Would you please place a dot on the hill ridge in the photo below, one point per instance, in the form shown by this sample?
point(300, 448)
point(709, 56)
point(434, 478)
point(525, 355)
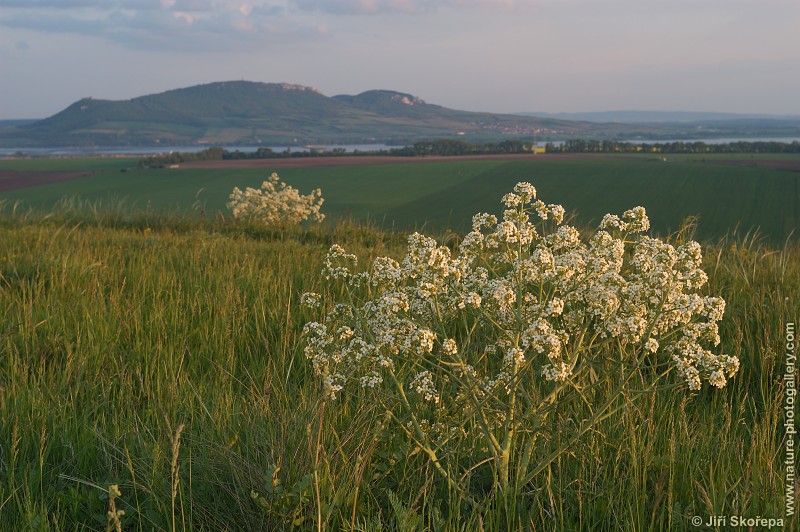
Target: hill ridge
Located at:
point(249, 112)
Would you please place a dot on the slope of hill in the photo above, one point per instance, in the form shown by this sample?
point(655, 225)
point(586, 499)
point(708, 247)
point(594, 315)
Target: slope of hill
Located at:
point(691, 125)
point(661, 117)
point(242, 112)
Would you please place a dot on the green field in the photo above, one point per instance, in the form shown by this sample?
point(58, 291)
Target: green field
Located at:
point(446, 194)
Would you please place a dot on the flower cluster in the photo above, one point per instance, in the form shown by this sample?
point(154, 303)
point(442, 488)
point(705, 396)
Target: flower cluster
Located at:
point(525, 297)
point(276, 203)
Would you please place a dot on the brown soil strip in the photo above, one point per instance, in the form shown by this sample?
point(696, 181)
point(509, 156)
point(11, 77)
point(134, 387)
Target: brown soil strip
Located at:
point(14, 179)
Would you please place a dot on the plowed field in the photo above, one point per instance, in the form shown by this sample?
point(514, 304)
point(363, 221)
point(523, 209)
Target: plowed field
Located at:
point(15, 179)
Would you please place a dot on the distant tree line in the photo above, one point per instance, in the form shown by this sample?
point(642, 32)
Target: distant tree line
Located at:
point(450, 147)
point(461, 147)
point(219, 154)
point(418, 149)
point(613, 146)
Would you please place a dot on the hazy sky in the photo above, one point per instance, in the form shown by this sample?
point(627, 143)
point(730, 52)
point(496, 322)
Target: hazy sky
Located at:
point(477, 55)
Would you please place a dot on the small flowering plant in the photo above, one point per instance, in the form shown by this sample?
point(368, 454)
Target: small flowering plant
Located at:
point(276, 204)
point(468, 351)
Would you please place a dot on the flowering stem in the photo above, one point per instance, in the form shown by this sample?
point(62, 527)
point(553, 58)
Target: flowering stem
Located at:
point(421, 441)
point(599, 415)
point(316, 464)
point(480, 411)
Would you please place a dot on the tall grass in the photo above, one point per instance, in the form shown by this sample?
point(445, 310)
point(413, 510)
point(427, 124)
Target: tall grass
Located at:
point(161, 354)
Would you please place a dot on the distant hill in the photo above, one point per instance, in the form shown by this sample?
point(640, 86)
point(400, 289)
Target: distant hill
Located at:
point(683, 125)
point(661, 117)
point(242, 112)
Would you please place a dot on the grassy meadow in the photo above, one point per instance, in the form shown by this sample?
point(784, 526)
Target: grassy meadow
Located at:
point(149, 346)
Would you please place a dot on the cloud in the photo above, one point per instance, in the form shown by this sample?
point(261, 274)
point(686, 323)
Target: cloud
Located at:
point(184, 25)
point(372, 7)
point(78, 4)
point(188, 25)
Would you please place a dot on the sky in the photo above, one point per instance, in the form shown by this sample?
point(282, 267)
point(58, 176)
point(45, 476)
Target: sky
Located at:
point(740, 56)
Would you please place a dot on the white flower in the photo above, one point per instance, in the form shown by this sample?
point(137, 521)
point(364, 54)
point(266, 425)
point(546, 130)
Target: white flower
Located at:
point(554, 307)
point(423, 385)
point(637, 220)
point(504, 295)
point(344, 332)
point(557, 213)
point(276, 203)
point(541, 209)
point(338, 263)
point(424, 339)
point(511, 200)
point(717, 378)
point(371, 380)
point(515, 356)
point(449, 347)
point(471, 300)
point(526, 191)
point(528, 305)
point(556, 372)
point(310, 299)
point(612, 221)
point(483, 220)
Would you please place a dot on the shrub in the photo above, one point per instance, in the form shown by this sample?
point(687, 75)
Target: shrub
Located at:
point(469, 354)
point(276, 204)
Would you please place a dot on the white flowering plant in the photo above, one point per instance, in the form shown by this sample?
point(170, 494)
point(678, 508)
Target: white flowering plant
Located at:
point(469, 351)
point(276, 204)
